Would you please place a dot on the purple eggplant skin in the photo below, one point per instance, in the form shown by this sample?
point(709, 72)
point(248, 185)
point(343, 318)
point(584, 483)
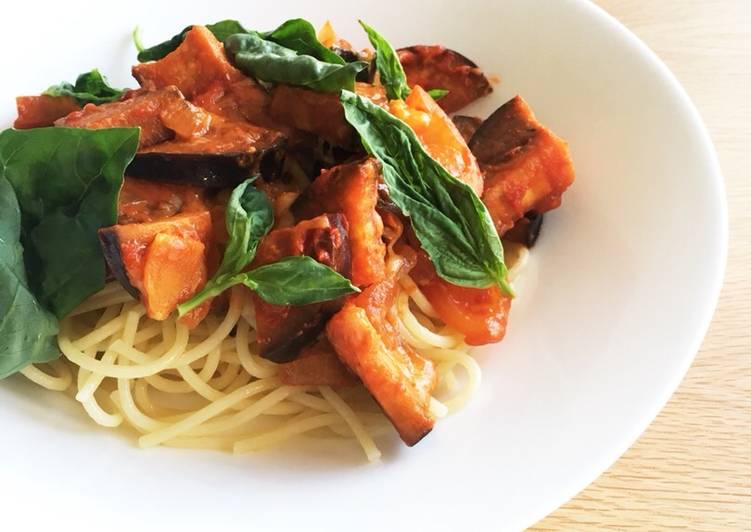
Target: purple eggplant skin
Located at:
point(467, 125)
point(111, 251)
point(209, 170)
point(533, 228)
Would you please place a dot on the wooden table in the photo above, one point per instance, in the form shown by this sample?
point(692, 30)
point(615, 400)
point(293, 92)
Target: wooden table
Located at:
point(691, 469)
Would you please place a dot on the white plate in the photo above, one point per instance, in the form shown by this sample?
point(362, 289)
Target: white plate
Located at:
point(616, 302)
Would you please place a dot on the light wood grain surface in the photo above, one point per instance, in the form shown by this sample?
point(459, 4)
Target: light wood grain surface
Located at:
point(691, 469)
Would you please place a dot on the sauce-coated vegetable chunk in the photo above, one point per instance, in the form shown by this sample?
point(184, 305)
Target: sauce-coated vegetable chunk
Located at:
point(154, 112)
point(320, 113)
point(163, 262)
point(436, 67)
point(352, 189)
point(440, 137)
point(480, 314)
point(366, 338)
point(193, 67)
point(317, 365)
point(42, 110)
point(526, 166)
point(283, 330)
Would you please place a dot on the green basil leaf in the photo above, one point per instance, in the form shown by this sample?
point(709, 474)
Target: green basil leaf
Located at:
point(437, 94)
point(389, 68)
point(451, 222)
point(299, 35)
point(67, 181)
point(248, 218)
point(91, 87)
point(272, 62)
point(221, 30)
point(137, 42)
point(27, 331)
point(158, 51)
point(297, 281)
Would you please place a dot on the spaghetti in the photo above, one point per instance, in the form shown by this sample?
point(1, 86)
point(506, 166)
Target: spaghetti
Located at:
point(208, 388)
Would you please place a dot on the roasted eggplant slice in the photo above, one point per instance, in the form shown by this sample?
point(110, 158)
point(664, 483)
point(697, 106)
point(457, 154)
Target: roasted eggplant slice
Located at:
point(467, 125)
point(162, 262)
point(366, 338)
point(317, 365)
point(197, 64)
point(229, 153)
point(436, 67)
point(144, 110)
point(526, 230)
point(439, 136)
point(143, 201)
point(351, 189)
point(43, 110)
point(284, 330)
point(243, 100)
point(319, 112)
point(526, 166)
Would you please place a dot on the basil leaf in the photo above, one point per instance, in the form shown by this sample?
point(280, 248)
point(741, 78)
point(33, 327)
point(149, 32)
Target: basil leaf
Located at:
point(221, 30)
point(437, 94)
point(451, 222)
point(272, 62)
point(136, 36)
point(67, 181)
point(158, 51)
point(27, 331)
point(389, 68)
point(91, 87)
point(248, 218)
point(297, 280)
point(290, 281)
point(299, 35)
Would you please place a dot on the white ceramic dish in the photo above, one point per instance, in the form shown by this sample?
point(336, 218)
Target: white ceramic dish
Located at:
point(619, 295)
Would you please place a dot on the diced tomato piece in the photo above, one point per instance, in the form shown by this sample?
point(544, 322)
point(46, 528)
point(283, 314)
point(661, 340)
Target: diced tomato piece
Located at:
point(352, 189)
point(480, 314)
point(439, 136)
point(43, 110)
point(193, 67)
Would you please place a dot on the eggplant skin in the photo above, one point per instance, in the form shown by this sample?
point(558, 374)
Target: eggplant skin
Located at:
point(211, 170)
point(203, 170)
point(111, 251)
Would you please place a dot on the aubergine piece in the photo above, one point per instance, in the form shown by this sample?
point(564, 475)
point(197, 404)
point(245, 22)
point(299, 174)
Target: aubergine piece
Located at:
point(436, 67)
point(526, 230)
point(467, 125)
point(365, 336)
point(125, 246)
point(284, 330)
point(320, 113)
point(225, 156)
point(525, 165)
point(145, 110)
